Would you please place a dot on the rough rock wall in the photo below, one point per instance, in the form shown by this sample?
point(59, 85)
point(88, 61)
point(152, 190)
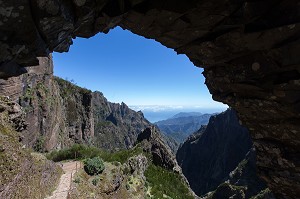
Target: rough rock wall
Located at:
point(76, 105)
point(116, 125)
point(37, 92)
point(152, 142)
point(59, 113)
point(23, 174)
point(249, 50)
point(207, 157)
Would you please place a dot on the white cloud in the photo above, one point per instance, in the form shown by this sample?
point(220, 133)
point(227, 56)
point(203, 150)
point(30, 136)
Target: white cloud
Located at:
point(156, 108)
point(160, 108)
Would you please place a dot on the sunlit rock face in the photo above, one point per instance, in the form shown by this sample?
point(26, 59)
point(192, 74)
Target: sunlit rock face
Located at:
point(249, 50)
point(57, 113)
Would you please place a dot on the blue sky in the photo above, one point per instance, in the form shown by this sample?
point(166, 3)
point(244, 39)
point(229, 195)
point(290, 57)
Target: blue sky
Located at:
point(129, 68)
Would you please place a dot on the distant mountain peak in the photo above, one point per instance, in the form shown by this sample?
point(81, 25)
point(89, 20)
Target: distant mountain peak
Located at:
point(186, 114)
point(181, 125)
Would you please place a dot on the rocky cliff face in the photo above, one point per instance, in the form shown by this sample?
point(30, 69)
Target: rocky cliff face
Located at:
point(152, 142)
point(208, 156)
point(243, 182)
point(116, 125)
point(38, 94)
point(23, 174)
point(59, 113)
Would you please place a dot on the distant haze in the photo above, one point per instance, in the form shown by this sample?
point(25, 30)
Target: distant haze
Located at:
point(155, 113)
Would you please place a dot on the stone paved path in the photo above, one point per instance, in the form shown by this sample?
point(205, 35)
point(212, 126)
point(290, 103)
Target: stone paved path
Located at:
point(63, 187)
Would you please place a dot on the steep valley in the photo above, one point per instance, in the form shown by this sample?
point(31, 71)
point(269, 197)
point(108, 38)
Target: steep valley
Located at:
point(219, 159)
point(249, 52)
point(54, 115)
point(67, 121)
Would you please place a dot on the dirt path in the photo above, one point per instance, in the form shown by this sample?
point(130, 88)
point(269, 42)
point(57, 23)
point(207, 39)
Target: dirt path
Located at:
point(63, 187)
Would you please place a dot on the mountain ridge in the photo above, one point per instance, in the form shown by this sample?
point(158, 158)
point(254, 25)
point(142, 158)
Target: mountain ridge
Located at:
point(180, 128)
point(185, 114)
point(60, 113)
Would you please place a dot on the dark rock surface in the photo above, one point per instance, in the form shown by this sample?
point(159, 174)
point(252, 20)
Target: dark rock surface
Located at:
point(116, 125)
point(152, 142)
point(243, 182)
point(208, 156)
point(245, 175)
point(249, 49)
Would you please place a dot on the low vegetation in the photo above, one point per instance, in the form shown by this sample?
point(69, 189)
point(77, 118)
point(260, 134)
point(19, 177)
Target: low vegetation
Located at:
point(77, 151)
point(266, 193)
point(80, 152)
point(93, 166)
point(166, 183)
point(24, 174)
point(160, 183)
point(70, 87)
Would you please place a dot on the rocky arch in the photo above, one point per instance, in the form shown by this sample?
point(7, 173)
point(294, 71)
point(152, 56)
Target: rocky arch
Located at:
point(249, 51)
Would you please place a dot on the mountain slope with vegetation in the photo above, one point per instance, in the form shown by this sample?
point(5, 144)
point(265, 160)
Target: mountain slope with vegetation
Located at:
point(181, 125)
point(148, 170)
point(24, 174)
point(59, 113)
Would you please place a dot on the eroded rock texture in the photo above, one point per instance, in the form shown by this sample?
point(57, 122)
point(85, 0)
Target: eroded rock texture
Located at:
point(57, 113)
point(152, 142)
point(249, 49)
point(208, 156)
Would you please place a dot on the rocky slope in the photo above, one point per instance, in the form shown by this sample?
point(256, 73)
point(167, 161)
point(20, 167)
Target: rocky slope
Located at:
point(148, 170)
point(91, 119)
point(59, 113)
point(24, 174)
point(116, 125)
point(208, 156)
point(182, 125)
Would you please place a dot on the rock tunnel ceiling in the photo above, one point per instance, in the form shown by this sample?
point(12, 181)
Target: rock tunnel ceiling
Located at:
point(249, 51)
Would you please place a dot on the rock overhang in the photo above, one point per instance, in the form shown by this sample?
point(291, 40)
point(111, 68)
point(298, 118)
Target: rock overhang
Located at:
point(249, 51)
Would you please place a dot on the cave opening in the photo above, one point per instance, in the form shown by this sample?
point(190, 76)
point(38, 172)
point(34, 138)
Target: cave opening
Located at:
point(249, 51)
point(140, 72)
point(150, 77)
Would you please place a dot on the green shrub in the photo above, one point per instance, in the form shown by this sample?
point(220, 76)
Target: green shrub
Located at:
point(38, 146)
point(95, 181)
point(93, 166)
point(84, 152)
point(77, 180)
point(77, 151)
point(127, 186)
